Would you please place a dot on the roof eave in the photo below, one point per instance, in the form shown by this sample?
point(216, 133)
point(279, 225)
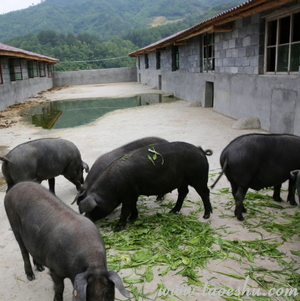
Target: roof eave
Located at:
point(243, 10)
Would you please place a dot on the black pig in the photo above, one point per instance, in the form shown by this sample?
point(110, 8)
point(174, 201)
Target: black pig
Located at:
point(44, 159)
point(154, 170)
point(103, 161)
point(258, 161)
point(66, 242)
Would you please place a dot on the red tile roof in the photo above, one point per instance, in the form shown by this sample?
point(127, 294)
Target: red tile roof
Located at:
point(17, 52)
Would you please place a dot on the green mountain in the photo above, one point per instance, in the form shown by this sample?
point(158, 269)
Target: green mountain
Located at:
point(102, 18)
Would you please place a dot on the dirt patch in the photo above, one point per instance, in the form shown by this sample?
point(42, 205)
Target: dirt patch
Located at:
point(161, 20)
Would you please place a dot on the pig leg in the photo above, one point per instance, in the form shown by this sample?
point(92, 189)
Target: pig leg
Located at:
point(51, 183)
point(182, 192)
point(58, 286)
point(292, 190)
point(204, 194)
point(27, 265)
point(239, 197)
point(276, 194)
point(127, 208)
point(134, 213)
point(234, 188)
point(38, 266)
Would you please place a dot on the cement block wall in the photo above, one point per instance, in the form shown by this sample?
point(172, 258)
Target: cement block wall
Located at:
point(97, 76)
point(241, 50)
point(12, 92)
point(240, 89)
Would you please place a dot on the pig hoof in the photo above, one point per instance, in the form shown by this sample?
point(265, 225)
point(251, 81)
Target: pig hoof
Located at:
point(30, 276)
point(240, 218)
point(206, 216)
point(173, 211)
point(244, 210)
point(118, 228)
point(292, 202)
point(279, 200)
point(40, 268)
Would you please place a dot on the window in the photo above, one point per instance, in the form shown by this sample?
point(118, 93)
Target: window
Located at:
point(208, 52)
point(175, 58)
point(32, 69)
point(146, 61)
point(139, 62)
point(42, 69)
point(283, 44)
point(1, 77)
point(158, 60)
point(50, 70)
point(15, 69)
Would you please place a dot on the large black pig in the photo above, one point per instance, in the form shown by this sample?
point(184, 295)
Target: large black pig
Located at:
point(154, 170)
point(66, 242)
point(258, 161)
point(103, 161)
point(44, 159)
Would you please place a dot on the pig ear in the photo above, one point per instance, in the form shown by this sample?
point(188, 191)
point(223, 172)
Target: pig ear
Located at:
point(80, 285)
point(87, 205)
point(114, 277)
point(85, 167)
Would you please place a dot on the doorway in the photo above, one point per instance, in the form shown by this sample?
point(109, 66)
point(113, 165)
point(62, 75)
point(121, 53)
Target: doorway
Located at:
point(209, 95)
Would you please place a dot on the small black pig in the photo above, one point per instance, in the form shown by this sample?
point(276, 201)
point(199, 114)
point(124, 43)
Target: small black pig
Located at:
point(66, 242)
point(44, 159)
point(149, 170)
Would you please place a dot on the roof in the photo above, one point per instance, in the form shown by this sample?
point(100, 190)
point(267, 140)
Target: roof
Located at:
point(6, 50)
point(221, 22)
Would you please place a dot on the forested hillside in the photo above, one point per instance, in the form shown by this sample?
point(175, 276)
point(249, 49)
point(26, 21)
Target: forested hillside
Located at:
point(83, 47)
point(102, 18)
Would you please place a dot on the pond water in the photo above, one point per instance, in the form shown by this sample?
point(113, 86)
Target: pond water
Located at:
point(75, 112)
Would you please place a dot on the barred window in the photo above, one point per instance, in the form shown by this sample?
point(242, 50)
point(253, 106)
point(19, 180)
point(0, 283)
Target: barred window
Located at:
point(1, 76)
point(146, 61)
point(158, 60)
point(15, 69)
point(42, 69)
point(175, 58)
point(50, 70)
point(283, 44)
point(208, 52)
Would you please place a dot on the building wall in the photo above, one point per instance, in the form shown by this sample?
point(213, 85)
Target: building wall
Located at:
point(239, 87)
point(12, 92)
point(97, 76)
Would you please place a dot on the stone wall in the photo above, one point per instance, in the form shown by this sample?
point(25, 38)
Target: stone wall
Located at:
point(96, 76)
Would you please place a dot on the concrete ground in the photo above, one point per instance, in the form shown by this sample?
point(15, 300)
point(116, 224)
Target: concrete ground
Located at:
point(177, 121)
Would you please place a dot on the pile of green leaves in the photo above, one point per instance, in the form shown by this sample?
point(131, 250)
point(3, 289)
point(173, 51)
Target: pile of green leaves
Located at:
point(175, 242)
point(183, 245)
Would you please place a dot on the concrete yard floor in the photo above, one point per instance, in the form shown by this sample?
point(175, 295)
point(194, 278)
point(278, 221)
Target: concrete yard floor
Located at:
point(176, 121)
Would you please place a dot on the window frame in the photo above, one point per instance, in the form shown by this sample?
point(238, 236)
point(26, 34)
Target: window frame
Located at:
point(146, 61)
point(50, 70)
point(158, 60)
point(42, 71)
point(1, 75)
point(278, 17)
point(33, 68)
point(175, 58)
point(205, 52)
point(12, 69)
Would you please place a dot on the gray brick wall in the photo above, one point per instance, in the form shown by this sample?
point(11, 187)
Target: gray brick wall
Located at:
point(240, 51)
